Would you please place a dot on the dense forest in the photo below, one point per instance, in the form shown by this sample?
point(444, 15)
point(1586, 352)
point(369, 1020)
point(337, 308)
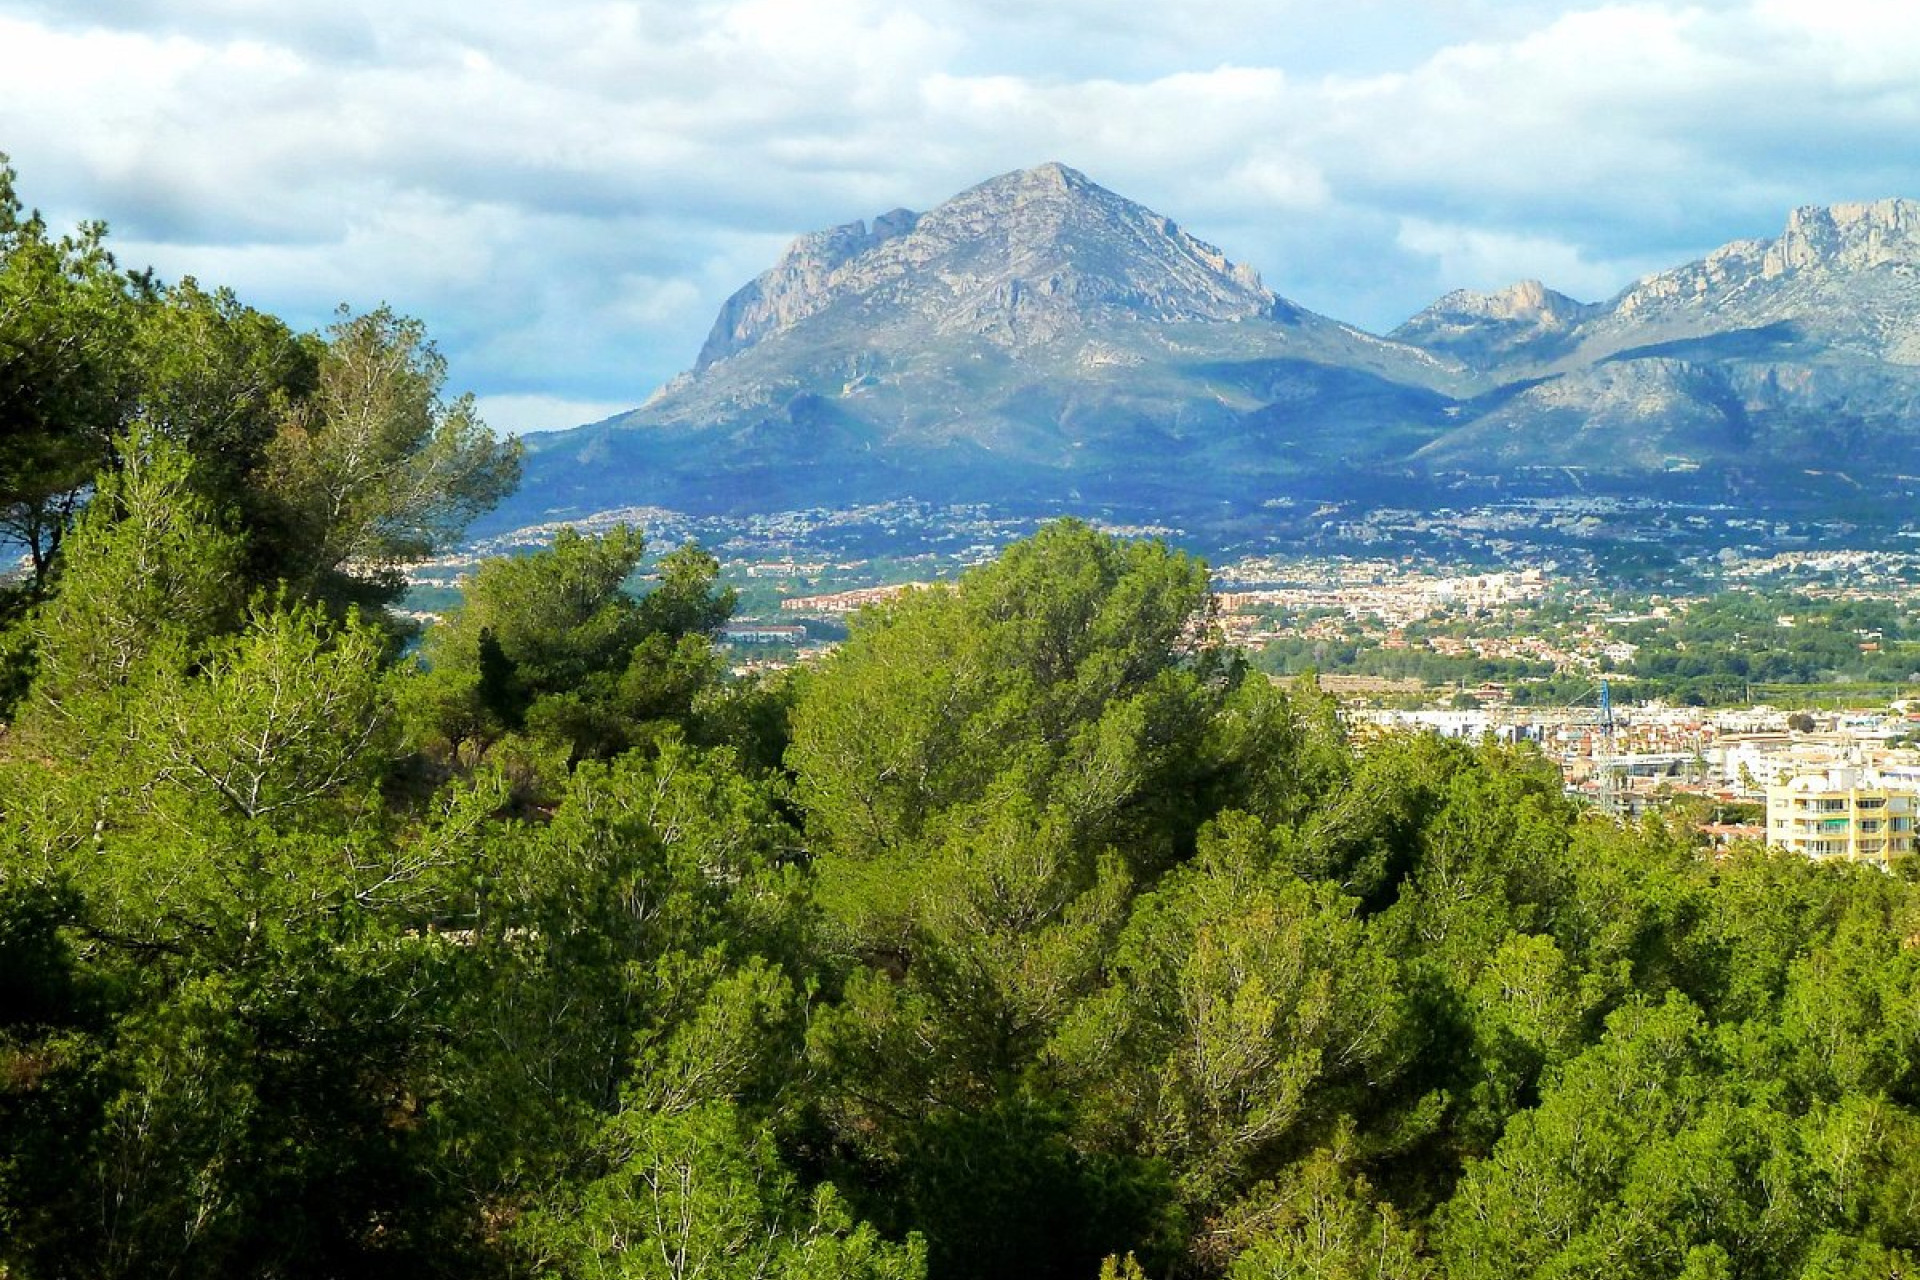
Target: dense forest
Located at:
point(1028, 935)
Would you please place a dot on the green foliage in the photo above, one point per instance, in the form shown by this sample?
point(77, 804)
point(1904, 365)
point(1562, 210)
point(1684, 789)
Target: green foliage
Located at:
point(218, 379)
point(1056, 672)
point(697, 1193)
point(987, 775)
point(233, 799)
point(530, 627)
point(239, 890)
point(374, 468)
point(1321, 1221)
point(550, 645)
point(1298, 655)
point(1282, 750)
point(633, 945)
point(1740, 636)
point(49, 1014)
point(150, 578)
point(68, 315)
point(1247, 1012)
point(332, 461)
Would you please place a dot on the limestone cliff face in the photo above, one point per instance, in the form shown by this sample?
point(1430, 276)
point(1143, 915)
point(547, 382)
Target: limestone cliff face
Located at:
point(798, 285)
point(1850, 237)
point(1021, 260)
point(1847, 276)
point(1487, 329)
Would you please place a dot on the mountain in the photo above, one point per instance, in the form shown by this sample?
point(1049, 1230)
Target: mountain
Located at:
point(1039, 339)
point(1846, 277)
point(1021, 262)
point(1487, 331)
point(1036, 335)
point(1765, 354)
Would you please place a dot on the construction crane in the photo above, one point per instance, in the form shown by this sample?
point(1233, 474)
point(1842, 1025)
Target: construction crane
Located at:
point(1600, 718)
point(1603, 758)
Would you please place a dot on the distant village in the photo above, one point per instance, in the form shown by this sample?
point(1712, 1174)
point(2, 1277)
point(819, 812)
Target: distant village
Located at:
point(1830, 781)
point(1833, 782)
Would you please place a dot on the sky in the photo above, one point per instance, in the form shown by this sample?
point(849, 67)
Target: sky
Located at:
point(565, 191)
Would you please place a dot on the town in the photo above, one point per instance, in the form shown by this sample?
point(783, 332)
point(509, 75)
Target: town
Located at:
point(1832, 780)
point(1751, 686)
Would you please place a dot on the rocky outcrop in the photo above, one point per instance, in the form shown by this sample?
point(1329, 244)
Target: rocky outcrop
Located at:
point(1847, 277)
point(1847, 237)
point(798, 285)
point(1022, 260)
point(1527, 303)
point(1485, 329)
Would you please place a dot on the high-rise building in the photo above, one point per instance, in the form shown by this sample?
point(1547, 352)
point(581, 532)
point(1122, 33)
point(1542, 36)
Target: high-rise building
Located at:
point(1843, 811)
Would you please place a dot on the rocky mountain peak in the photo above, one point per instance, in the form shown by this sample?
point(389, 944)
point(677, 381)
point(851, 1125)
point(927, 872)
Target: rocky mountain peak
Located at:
point(1527, 302)
point(1049, 176)
point(1021, 259)
point(1532, 301)
point(1481, 328)
point(796, 285)
point(1821, 249)
point(1847, 236)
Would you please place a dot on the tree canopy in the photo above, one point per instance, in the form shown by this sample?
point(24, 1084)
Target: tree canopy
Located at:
point(318, 464)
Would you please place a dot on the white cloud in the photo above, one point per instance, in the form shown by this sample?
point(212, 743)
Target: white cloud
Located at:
point(1490, 260)
point(1275, 180)
point(566, 190)
point(531, 414)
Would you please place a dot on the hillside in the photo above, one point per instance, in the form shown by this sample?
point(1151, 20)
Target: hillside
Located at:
point(1764, 353)
point(1039, 339)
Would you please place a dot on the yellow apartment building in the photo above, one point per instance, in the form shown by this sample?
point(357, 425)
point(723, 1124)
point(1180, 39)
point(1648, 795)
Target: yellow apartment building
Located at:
point(1842, 811)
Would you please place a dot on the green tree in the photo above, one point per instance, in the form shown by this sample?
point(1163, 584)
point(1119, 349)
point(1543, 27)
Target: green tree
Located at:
point(1247, 1013)
point(699, 1192)
point(218, 378)
point(151, 578)
point(989, 775)
point(375, 469)
point(246, 898)
point(932, 1061)
point(1321, 1221)
point(1063, 675)
point(68, 315)
point(1850, 1010)
point(637, 947)
point(551, 644)
point(51, 1015)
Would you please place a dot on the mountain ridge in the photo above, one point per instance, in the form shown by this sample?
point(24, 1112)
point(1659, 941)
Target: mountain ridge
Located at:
point(1038, 336)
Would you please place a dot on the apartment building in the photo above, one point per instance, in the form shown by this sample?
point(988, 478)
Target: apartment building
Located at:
point(1843, 811)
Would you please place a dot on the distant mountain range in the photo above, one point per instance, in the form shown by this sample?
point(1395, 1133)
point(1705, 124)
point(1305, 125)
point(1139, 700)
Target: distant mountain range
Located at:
point(1039, 339)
